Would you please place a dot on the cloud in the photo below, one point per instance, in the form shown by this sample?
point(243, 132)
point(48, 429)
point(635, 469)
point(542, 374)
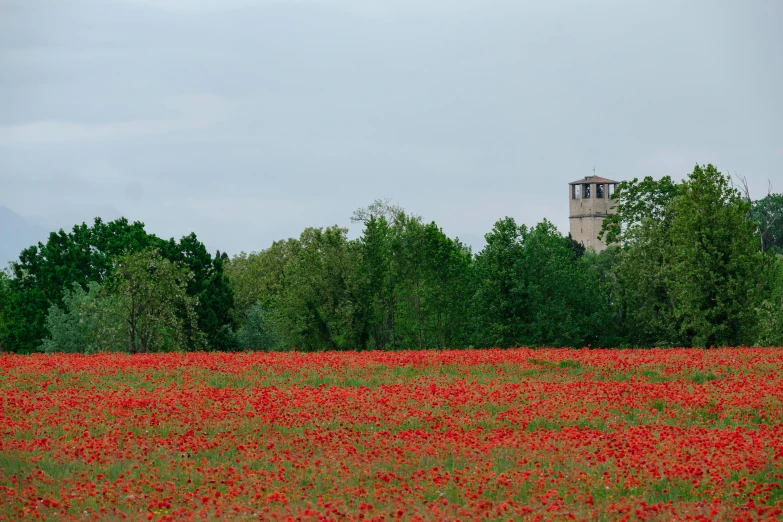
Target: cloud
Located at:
point(201, 6)
point(366, 7)
point(195, 112)
point(134, 191)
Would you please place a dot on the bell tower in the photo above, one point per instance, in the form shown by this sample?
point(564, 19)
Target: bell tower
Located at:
point(589, 204)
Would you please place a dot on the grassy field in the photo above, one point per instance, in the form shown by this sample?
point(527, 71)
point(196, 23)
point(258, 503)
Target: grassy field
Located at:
point(479, 434)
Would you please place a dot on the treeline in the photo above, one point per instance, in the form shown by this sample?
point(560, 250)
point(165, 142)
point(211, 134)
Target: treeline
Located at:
point(691, 263)
point(113, 286)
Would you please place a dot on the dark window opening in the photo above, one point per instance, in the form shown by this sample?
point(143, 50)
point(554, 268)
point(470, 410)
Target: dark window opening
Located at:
point(599, 191)
point(586, 190)
point(574, 191)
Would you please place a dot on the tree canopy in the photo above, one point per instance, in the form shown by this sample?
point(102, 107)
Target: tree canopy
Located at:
point(46, 271)
point(690, 263)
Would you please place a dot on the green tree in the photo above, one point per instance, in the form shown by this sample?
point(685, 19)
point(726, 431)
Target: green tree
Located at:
point(499, 308)
point(87, 322)
point(257, 333)
point(447, 290)
point(211, 289)
point(430, 271)
point(318, 308)
point(690, 268)
point(378, 278)
point(151, 293)
point(637, 203)
point(714, 261)
point(643, 272)
point(603, 267)
point(641, 223)
point(259, 276)
point(45, 271)
point(86, 254)
point(576, 247)
point(564, 301)
point(415, 281)
point(5, 302)
point(533, 290)
point(770, 328)
point(768, 213)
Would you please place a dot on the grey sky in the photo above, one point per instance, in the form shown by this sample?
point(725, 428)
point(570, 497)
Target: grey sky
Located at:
point(246, 121)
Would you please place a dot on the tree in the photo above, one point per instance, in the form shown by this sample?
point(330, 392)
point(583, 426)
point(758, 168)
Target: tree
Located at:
point(447, 289)
point(643, 273)
point(430, 273)
point(88, 322)
point(257, 333)
point(211, 289)
point(499, 308)
point(152, 292)
point(714, 261)
point(576, 247)
point(5, 302)
point(603, 268)
point(378, 276)
point(380, 208)
point(44, 272)
point(414, 282)
point(565, 305)
point(319, 307)
point(87, 254)
point(637, 203)
point(770, 328)
point(768, 213)
point(259, 276)
point(533, 290)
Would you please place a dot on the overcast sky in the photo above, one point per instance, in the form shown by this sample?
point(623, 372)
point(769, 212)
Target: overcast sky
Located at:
point(247, 121)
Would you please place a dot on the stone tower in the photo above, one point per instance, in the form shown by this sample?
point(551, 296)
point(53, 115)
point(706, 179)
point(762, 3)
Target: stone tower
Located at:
point(589, 204)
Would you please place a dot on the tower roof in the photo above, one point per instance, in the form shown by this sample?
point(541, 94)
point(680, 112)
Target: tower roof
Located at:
point(593, 179)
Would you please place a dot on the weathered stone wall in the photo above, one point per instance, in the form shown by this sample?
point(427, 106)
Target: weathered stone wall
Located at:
point(587, 216)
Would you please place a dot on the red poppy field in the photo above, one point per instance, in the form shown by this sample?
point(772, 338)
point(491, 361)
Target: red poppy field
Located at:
point(455, 435)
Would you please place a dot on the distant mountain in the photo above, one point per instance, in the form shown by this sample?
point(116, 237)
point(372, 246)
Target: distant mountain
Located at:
point(16, 234)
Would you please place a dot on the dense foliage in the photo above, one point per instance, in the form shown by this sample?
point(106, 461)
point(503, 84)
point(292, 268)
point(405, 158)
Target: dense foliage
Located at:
point(89, 256)
point(690, 263)
point(768, 213)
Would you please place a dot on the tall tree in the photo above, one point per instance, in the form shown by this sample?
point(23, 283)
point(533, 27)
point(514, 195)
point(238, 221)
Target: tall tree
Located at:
point(448, 288)
point(499, 306)
point(151, 294)
point(641, 223)
point(319, 307)
point(565, 302)
point(689, 266)
point(715, 261)
point(5, 303)
point(86, 254)
point(378, 277)
point(44, 272)
point(770, 328)
point(643, 272)
point(636, 204)
point(415, 281)
point(612, 328)
point(259, 277)
point(768, 213)
point(86, 322)
point(211, 288)
point(533, 290)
